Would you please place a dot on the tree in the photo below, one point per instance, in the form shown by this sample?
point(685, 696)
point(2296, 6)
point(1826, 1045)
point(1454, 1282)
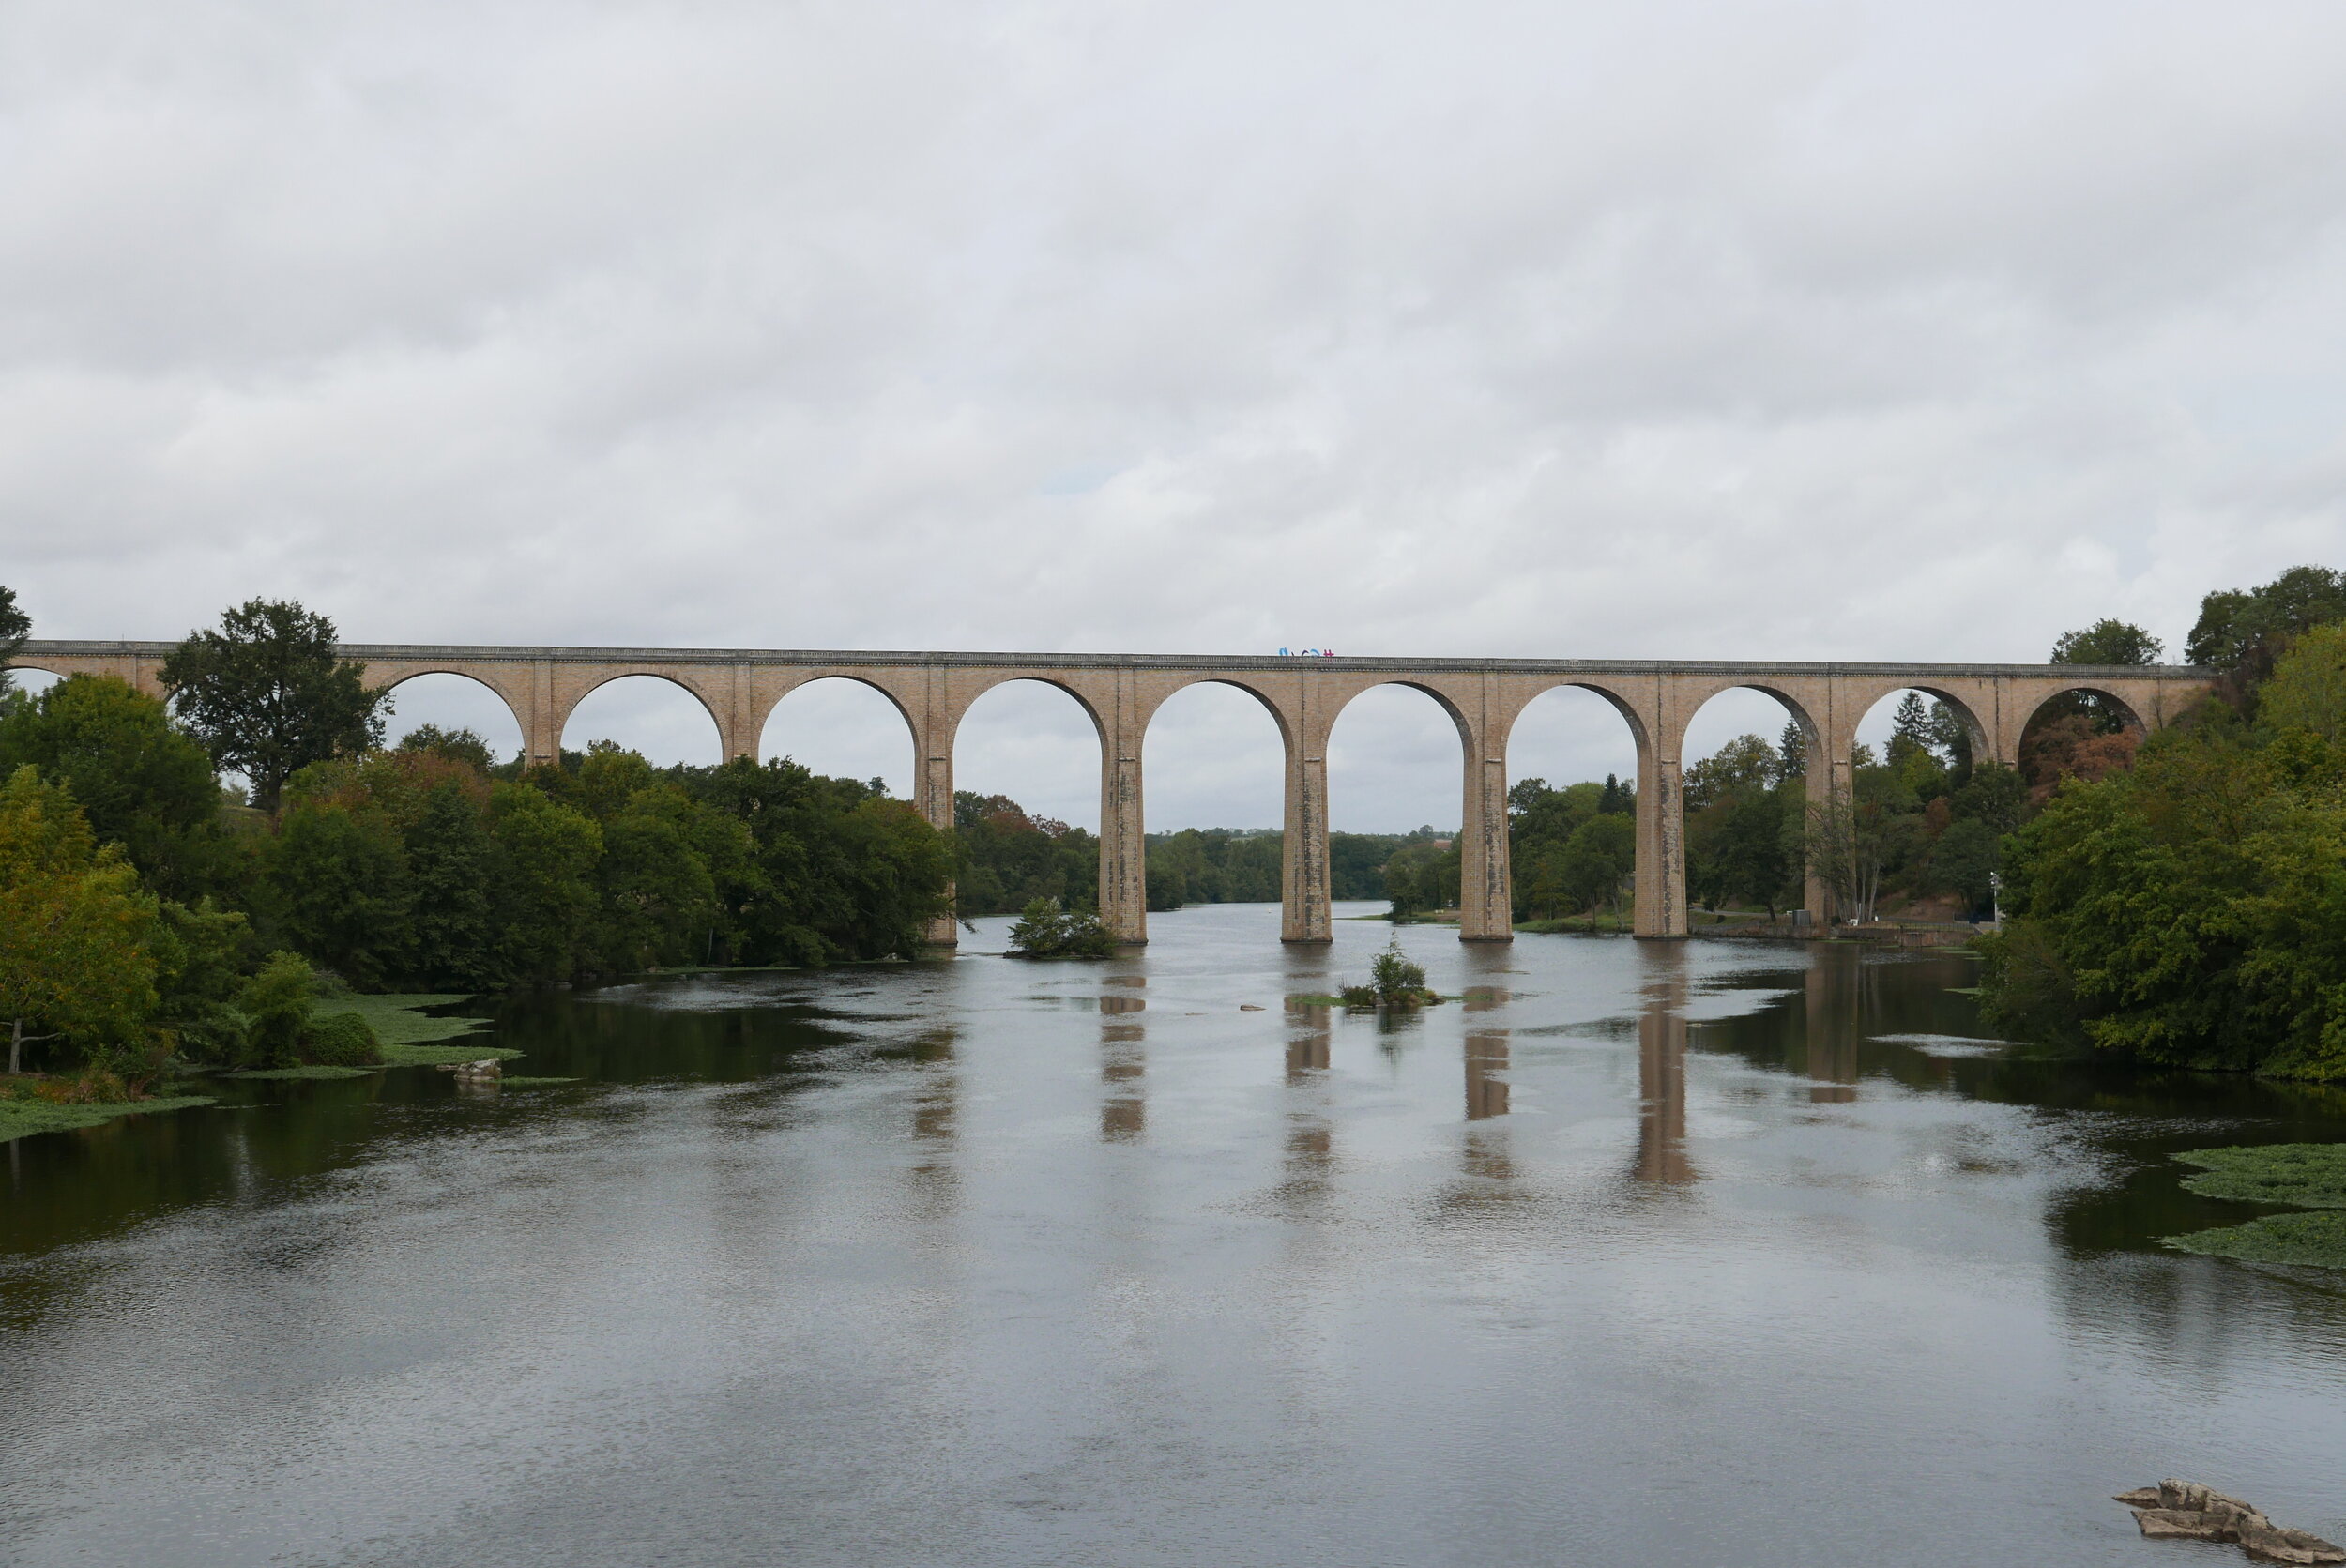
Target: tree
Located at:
point(450, 870)
point(15, 626)
point(1910, 727)
point(342, 894)
point(2308, 686)
point(142, 784)
point(1791, 752)
point(74, 927)
point(2108, 641)
point(1045, 929)
point(543, 892)
point(457, 745)
point(2245, 631)
point(1951, 738)
point(268, 693)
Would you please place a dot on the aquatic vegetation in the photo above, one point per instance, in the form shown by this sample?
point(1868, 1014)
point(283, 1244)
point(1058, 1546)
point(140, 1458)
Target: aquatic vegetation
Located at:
point(2317, 1239)
point(2309, 1174)
point(21, 1119)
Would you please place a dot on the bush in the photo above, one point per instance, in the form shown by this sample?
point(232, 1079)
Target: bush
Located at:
point(341, 1040)
point(276, 1006)
point(1395, 984)
point(1046, 930)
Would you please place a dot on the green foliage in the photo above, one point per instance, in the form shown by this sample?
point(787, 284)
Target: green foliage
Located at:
point(544, 898)
point(75, 928)
point(2307, 691)
point(1395, 984)
point(2107, 642)
point(1214, 866)
point(2191, 912)
point(1424, 875)
point(142, 784)
point(201, 955)
point(1006, 859)
point(452, 870)
point(2317, 1240)
point(1048, 929)
point(2245, 631)
point(22, 1118)
point(2309, 1174)
point(276, 1003)
point(15, 626)
point(342, 892)
point(340, 1040)
point(266, 694)
point(458, 745)
point(1571, 850)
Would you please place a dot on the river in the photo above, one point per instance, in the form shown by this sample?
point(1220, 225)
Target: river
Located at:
point(1705, 1252)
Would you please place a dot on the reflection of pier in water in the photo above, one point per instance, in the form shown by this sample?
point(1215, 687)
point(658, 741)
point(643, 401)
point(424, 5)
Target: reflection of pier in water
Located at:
point(1834, 998)
point(1662, 1073)
point(935, 1120)
point(1123, 1058)
point(1309, 1156)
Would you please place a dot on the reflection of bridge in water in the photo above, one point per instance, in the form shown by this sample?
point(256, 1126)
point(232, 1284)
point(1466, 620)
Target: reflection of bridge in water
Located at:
point(1484, 697)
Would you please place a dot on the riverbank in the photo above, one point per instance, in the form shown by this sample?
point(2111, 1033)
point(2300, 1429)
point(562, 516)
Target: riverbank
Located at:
point(410, 1037)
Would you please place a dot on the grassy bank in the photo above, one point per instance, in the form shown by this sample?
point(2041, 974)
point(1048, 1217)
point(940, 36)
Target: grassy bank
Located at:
point(21, 1119)
point(409, 1038)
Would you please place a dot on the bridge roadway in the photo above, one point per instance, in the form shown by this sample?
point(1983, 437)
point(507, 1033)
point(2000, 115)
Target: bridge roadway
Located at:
point(740, 687)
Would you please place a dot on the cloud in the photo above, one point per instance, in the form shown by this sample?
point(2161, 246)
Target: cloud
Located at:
point(1783, 330)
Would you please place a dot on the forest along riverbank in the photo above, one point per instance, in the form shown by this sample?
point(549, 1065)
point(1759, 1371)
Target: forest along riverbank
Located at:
point(408, 1030)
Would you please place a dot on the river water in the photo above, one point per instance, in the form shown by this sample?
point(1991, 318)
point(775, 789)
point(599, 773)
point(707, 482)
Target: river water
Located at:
point(1709, 1253)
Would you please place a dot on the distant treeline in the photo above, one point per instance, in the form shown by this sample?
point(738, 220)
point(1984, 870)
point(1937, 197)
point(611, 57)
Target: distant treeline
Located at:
point(1008, 856)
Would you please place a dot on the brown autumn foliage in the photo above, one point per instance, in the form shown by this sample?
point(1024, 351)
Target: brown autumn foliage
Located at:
point(2070, 746)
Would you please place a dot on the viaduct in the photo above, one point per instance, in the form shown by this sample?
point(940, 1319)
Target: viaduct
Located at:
point(1484, 697)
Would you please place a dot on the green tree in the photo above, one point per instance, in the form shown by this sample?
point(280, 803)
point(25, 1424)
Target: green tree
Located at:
point(2307, 691)
point(2107, 642)
point(1046, 929)
point(276, 1004)
point(2245, 632)
point(74, 927)
point(343, 894)
point(15, 626)
point(142, 784)
point(452, 869)
point(201, 955)
point(544, 895)
point(457, 745)
point(268, 693)
point(1910, 727)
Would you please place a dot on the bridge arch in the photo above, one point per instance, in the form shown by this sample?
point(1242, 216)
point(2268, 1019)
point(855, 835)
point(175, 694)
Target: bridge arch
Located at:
point(571, 699)
point(830, 699)
point(447, 706)
point(1046, 730)
point(1214, 754)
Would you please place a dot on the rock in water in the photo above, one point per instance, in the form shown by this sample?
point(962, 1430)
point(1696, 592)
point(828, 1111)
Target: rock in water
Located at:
point(2187, 1511)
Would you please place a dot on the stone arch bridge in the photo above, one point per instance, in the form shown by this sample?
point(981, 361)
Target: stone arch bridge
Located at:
point(1484, 697)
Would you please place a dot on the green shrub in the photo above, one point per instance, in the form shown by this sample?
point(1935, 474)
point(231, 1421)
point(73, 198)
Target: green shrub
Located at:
point(276, 1006)
point(1047, 930)
point(341, 1040)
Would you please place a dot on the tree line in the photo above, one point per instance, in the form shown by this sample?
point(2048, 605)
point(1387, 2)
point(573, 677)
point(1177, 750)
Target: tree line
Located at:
point(146, 913)
point(1008, 856)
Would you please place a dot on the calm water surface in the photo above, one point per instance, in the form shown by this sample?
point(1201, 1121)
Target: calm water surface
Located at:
point(1692, 1254)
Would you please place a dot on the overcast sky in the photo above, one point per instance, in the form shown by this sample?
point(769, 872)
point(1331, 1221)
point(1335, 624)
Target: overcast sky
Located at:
point(1805, 330)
